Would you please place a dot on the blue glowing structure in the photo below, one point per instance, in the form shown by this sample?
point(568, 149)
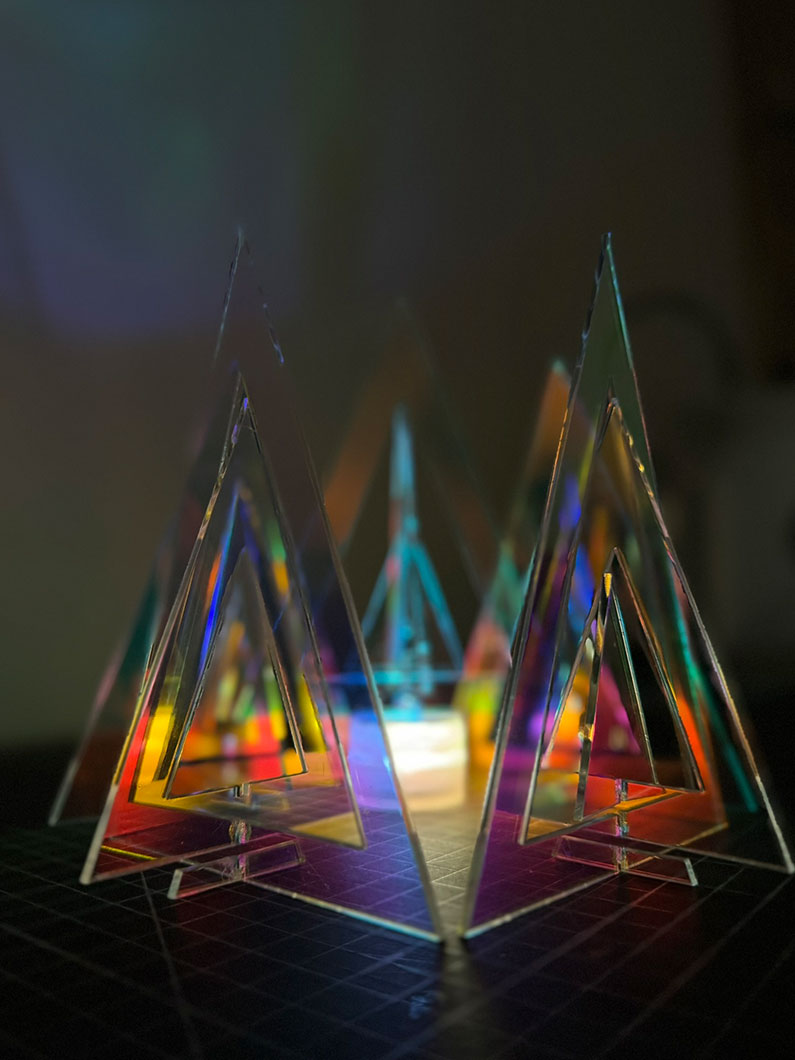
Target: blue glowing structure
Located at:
point(406, 585)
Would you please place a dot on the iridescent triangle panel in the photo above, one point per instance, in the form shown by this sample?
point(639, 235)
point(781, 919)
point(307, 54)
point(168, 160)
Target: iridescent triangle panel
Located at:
point(601, 504)
point(316, 796)
point(357, 850)
point(330, 874)
point(242, 726)
point(415, 529)
point(85, 785)
point(419, 543)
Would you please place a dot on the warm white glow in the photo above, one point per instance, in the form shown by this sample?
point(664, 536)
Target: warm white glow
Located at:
point(430, 755)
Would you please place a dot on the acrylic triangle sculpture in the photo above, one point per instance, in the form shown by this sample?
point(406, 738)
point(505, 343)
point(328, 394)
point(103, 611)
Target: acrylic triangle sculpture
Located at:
point(238, 738)
point(249, 736)
point(617, 723)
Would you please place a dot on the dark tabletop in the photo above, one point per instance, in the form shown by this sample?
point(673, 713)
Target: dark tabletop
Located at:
point(119, 970)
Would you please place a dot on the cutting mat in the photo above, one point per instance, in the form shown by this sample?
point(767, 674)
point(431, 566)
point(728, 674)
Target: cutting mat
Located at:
point(118, 970)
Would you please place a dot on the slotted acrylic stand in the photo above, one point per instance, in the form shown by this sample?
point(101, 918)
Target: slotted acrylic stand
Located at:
point(244, 714)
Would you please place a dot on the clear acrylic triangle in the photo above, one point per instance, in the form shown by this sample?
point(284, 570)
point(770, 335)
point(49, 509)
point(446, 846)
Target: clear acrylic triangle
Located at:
point(241, 726)
point(603, 730)
point(419, 544)
point(409, 630)
point(602, 498)
point(403, 375)
point(416, 531)
point(353, 847)
point(487, 656)
point(84, 786)
point(504, 598)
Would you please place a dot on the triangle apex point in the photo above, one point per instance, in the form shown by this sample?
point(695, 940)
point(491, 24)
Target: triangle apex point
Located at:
point(606, 253)
point(614, 557)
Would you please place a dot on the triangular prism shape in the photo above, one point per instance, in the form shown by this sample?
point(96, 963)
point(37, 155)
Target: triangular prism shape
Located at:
point(263, 558)
point(601, 502)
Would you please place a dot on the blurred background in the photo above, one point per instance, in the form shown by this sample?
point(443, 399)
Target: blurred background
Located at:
point(467, 156)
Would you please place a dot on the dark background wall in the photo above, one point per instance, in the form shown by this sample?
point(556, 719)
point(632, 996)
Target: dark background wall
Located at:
point(467, 156)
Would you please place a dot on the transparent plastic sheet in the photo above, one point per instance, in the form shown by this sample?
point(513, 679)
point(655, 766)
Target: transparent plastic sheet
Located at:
point(84, 787)
point(248, 864)
point(487, 657)
point(517, 544)
point(368, 489)
point(419, 544)
point(604, 565)
point(243, 729)
point(405, 375)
